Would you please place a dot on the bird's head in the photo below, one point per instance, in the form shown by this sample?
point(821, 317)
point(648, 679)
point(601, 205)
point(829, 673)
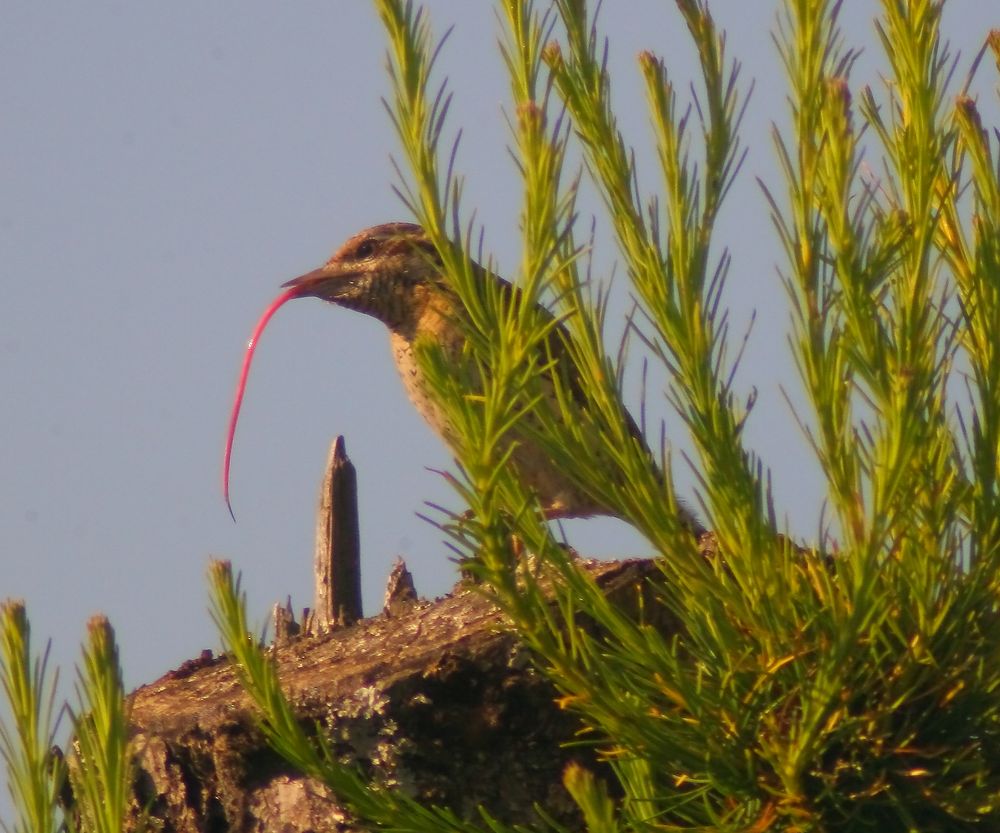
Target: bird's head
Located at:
point(377, 272)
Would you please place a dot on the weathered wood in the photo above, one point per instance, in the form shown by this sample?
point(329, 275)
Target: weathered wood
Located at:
point(285, 626)
point(400, 592)
point(337, 559)
point(438, 699)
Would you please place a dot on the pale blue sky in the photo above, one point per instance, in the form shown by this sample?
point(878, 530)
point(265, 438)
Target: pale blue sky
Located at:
point(164, 168)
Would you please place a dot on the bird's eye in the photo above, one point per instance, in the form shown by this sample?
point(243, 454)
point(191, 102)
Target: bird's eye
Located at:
point(365, 249)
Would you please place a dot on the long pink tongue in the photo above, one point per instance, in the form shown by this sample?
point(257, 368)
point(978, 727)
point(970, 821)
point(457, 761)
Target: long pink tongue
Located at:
point(241, 387)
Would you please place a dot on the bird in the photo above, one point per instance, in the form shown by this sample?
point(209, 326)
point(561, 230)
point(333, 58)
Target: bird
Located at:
point(393, 273)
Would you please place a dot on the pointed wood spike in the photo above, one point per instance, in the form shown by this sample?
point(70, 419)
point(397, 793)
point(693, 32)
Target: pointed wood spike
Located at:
point(337, 560)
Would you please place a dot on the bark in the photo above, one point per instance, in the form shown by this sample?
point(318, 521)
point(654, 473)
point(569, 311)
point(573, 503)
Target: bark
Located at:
point(436, 698)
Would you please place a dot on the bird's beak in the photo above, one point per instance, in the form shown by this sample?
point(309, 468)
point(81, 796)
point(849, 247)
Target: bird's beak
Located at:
point(306, 284)
point(328, 283)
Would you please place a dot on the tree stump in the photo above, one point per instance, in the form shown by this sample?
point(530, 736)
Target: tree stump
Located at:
point(438, 700)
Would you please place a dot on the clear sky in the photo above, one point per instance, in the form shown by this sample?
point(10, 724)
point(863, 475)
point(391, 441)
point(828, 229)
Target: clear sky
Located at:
point(163, 169)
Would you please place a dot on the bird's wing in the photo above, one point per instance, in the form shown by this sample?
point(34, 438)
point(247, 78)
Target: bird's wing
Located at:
point(560, 357)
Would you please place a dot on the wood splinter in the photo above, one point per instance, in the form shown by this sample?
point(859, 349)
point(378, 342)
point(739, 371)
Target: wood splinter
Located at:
point(337, 560)
point(285, 626)
point(400, 592)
